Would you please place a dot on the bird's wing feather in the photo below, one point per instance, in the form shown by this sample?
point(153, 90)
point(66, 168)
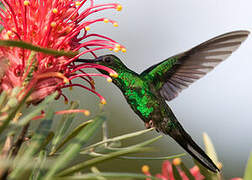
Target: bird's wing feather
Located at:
point(176, 73)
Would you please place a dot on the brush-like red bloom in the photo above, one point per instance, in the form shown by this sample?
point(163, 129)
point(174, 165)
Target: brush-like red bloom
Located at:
point(167, 172)
point(55, 24)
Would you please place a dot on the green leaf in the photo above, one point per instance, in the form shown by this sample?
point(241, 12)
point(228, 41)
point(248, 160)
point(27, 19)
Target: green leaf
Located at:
point(37, 143)
point(48, 139)
point(38, 109)
point(95, 170)
point(120, 152)
point(106, 149)
point(37, 171)
point(176, 173)
point(248, 171)
point(186, 171)
point(91, 162)
point(13, 113)
point(153, 158)
point(94, 154)
point(10, 163)
point(72, 150)
point(142, 144)
point(74, 133)
point(64, 125)
point(107, 175)
point(25, 45)
point(3, 97)
point(118, 138)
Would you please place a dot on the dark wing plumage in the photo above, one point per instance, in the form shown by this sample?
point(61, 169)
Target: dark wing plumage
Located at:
point(174, 74)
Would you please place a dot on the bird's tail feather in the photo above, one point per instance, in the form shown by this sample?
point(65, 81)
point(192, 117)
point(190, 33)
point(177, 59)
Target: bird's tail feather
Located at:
point(185, 140)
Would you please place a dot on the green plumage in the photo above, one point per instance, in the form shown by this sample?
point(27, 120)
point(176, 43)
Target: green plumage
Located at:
point(136, 91)
point(147, 93)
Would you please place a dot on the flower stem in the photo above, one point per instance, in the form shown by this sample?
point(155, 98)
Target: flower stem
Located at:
point(20, 140)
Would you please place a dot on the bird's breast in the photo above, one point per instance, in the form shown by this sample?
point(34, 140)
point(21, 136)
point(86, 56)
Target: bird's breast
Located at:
point(142, 101)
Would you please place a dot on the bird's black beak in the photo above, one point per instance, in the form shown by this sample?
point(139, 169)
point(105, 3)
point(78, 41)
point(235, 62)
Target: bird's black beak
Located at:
point(99, 59)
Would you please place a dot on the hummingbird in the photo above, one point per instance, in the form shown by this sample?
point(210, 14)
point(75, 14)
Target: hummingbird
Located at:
point(147, 93)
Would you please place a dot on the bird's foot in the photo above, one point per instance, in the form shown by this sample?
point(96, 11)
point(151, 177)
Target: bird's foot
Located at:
point(149, 124)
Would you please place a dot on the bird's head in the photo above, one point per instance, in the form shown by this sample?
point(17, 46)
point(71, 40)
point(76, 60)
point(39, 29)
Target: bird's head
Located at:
point(110, 61)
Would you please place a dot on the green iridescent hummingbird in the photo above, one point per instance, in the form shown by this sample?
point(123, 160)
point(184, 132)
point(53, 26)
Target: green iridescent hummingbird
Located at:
point(147, 93)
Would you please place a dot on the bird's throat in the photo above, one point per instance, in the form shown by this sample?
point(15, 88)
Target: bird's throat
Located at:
point(127, 79)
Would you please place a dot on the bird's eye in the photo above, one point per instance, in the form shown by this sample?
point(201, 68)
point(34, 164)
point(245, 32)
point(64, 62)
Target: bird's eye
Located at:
point(107, 60)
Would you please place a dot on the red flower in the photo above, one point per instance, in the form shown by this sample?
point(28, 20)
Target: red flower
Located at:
point(58, 25)
point(167, 172)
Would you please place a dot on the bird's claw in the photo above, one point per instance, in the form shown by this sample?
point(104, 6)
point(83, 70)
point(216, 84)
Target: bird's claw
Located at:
point(149, 124)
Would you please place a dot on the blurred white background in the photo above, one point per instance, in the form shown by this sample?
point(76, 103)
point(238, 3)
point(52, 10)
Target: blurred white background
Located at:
point(219, 104)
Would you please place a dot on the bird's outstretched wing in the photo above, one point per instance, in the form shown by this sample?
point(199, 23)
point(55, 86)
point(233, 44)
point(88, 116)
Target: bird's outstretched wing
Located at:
point(176, 73)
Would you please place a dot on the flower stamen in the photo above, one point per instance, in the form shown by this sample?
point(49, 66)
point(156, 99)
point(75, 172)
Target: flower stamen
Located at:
point(106, 20)
point(77, 3)
point(124, 50)
point(87, 28)
point(115, 24)
point(119, 7)
point(113, 74)
point(176, 161)
point(26, 3)
point(53, 24)
point(55, 10)
point(103, 101)
point(145, 169)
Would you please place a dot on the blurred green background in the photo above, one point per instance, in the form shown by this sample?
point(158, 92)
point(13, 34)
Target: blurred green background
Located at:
point(219, 104)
